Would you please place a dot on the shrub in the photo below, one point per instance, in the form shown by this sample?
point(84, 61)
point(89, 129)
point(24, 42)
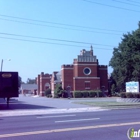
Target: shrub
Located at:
point(136, 95)
point(77, 94)
point(129, 95)
point(116, 94)
point(56, 96)
point(85, 94)
point(100, 94)
point(48, 92)
point(58, 91)
point(49, 96)
point(123, 95)
point(64, 94)
point(92, 94)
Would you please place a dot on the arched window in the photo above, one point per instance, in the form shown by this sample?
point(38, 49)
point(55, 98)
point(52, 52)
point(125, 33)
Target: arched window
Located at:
point(47, 85)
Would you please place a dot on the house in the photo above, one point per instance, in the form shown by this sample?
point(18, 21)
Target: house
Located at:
point(28, 88)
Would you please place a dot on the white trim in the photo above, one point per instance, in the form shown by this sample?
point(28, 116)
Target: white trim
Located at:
point(89, 71)
point(86, 64)
point(66, 68)
point(87, 81)
point(86, 77)
point(87, 88)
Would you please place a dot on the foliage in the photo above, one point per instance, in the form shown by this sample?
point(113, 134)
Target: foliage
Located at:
point(123, 95)
point(48, 92)
point(64, 93)
point(129, 95)
point(98, 93)
point(77, 94)
point(126, 60)
point(49, 95)
point(85, 93)
point(136, 95)
point(19, 81)
point(113, 89)
point(92, 94)
point(31, 81)
point(58, 91)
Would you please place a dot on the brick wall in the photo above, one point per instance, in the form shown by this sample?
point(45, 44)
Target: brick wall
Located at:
point(79, 83)
point(67, 76)
point(44, 79)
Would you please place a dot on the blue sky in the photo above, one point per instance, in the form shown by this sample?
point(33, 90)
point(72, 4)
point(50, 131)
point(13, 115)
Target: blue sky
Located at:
point(41, 35)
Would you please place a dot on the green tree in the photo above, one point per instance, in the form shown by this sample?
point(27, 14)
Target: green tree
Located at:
point(126, 59)
point(58, 90)
point(113, 89)
point(19, 81)
point(30, 81)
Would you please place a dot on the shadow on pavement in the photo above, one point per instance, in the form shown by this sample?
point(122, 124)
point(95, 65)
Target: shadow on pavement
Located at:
point(15, 104)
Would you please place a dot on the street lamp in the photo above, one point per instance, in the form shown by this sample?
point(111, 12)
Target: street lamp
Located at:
point(2, 63)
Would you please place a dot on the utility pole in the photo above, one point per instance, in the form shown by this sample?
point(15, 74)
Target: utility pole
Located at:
point(1, 64)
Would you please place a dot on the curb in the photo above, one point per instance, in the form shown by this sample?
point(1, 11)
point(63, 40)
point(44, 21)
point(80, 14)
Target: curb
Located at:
point(128, 100)
point(50, 111)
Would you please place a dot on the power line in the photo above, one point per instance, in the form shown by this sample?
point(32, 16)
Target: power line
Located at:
point(126, 3)
point(111, 6)
point(133, 1)
point(53, 39)
point(47, 22)
point(56, 23)
point(62, 27)
point(33, 41)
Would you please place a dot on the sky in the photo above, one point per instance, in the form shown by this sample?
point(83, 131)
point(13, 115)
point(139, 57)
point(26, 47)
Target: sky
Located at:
point(41, 35)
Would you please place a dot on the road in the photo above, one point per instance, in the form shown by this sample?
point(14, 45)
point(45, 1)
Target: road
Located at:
point(100, 125)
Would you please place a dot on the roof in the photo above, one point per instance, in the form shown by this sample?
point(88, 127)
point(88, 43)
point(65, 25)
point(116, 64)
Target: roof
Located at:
point(29, 86)
point(58, 77)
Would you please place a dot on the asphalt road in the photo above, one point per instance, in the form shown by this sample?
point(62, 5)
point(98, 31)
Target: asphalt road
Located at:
point(29, 102)
point(103, 125)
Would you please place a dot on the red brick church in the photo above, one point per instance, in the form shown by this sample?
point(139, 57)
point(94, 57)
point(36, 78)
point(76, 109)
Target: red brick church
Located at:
point(84, 74)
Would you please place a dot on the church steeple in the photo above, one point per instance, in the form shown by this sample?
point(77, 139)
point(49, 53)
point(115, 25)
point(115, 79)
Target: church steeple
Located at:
point(91, 51)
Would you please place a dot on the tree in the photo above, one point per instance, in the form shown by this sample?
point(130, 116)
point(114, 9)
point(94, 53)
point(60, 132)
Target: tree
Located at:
point(126, 59)
point(19, 81)
point(58, 90)
point(30, 81)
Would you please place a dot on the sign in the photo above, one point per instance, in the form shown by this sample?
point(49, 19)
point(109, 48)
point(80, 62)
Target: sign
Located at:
point(132, 86)
point(6, 75)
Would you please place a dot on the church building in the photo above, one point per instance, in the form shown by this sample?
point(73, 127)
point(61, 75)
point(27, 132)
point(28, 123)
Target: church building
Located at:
point(84, 74)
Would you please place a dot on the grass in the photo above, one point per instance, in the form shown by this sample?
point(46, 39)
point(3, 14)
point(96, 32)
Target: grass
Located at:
point(113, 104)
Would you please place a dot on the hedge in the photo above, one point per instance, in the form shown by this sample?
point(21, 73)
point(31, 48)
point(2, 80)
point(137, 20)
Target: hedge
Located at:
point(77, 94)
point(47, 92)
point(129, 95)
point(94, 93)
point(85, 93)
